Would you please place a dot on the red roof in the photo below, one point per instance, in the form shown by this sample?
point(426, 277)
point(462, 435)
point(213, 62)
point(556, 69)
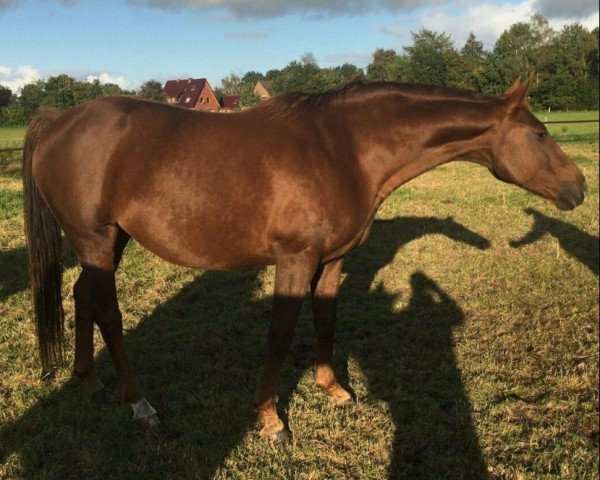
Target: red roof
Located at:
point(185, 91)
point(230, 101)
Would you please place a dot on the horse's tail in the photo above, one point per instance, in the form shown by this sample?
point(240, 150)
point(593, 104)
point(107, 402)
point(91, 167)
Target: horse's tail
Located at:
point(44, 248)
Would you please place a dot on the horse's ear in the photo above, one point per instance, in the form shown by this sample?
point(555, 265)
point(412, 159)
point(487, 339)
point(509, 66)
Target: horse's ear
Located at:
point(517, 93)
point(513, 88)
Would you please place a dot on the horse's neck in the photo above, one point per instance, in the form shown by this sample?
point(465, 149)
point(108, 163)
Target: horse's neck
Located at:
point(402, 146)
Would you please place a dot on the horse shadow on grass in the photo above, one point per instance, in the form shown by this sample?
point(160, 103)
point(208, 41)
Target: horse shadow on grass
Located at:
point(198, 356)
point(580, 245)
point(13, 271)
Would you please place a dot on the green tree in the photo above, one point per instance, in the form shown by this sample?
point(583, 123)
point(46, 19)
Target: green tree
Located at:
point(59, 92)
point(593, 56)
point(471, 64)
point(153, 90)
point(272, 74)
point(386, 66)
point(231, 84)
point(571, 82)
point(515, 54)
point(247, 96)
point(13, 115)
point(298, 77)
point(84, 91)
point(432, 58)
point(109, 89)
point(5, 96)
point(30, 99)
point(252, 77)
point(349, 72)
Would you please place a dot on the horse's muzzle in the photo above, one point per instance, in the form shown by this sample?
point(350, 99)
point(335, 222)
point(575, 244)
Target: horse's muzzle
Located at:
point(571, 194)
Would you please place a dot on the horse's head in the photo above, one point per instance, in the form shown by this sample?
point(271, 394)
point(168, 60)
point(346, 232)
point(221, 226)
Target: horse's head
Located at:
point(524, 153)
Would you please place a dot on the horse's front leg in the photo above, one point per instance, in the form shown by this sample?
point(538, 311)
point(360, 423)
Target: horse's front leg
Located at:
point(325, 287)
point(292, 279)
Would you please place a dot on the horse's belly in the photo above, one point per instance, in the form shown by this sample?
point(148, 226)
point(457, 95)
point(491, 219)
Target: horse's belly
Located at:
point(197, 239)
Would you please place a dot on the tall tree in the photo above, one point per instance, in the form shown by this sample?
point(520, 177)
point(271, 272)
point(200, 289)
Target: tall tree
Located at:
point(471, 65)
point(5, 96)
point(59, 92)
point(386, 66)
point(252, 77)
point(247, 96)
point(30, 99)
point(298, 77)
point(153, 90)
point(593, 56)
point(231, 84)
point(516, 53)
point(571, 82)
point(432, 57)
point(348, 72)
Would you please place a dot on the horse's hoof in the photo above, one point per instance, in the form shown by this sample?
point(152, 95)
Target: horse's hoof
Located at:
point(282, 436)
point(341, 398)
point(343, 403)
point(276, 431)
point(149, 422)
point(103, 396)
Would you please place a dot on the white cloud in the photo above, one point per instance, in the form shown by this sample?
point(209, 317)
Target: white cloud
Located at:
point(488, 20)
point(15, 78)
point(104, 77)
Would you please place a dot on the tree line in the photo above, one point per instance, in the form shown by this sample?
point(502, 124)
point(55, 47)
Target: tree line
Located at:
point(564, 64)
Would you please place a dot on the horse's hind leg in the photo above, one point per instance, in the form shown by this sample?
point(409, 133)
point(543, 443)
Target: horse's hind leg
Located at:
point(324, 289)
point(84, 344)
point(96, 301)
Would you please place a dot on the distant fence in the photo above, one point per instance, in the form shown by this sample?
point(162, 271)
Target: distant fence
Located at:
point(11, 149)
point(570, 121)
point(549, 122)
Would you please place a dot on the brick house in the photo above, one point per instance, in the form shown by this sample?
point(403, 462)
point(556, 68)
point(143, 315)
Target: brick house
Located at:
point(263, 89)
point(194, 93)
point(230, 103)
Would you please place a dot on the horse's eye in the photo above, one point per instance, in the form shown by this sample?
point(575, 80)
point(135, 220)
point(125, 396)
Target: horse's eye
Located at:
point(542, 135)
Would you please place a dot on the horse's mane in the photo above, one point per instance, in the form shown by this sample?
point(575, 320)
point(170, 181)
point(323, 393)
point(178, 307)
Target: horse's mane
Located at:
point(300, 102)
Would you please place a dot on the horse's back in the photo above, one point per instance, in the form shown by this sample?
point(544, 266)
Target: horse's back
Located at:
point(204, 190)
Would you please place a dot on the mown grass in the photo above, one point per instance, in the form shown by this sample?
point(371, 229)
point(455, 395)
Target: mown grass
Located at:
point(11, 137)
point(468, 331)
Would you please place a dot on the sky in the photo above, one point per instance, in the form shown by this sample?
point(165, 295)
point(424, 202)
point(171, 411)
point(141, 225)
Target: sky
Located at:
point(131, 41)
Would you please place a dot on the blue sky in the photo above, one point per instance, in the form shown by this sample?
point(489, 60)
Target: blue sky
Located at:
point(130, 41)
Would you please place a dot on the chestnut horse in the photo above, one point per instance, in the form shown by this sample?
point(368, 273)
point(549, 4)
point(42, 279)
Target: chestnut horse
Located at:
point(293, 182)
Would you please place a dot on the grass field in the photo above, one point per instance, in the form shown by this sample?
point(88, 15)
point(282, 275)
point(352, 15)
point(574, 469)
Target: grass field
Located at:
point(11, 136)
point(571, 132)
point(468, 331)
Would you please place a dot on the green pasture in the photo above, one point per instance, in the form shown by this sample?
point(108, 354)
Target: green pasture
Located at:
point(11, 137)
point(468, 332)
point(572, 132)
